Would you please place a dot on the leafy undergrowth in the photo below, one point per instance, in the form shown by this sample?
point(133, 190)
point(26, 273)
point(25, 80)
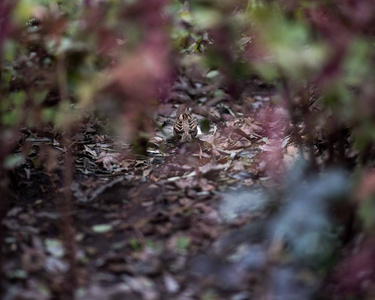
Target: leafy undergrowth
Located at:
point(273, 199)
point(142, 223)
point(217, 218)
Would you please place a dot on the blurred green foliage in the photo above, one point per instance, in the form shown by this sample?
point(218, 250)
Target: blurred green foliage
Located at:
point(291, 42)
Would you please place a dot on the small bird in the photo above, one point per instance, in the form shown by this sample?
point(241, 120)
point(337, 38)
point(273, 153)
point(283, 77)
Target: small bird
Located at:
point(185, 126)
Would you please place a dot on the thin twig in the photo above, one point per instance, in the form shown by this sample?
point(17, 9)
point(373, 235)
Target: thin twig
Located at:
point(66, 207)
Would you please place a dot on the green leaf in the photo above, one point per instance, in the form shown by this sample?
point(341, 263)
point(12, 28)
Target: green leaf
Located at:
point(102, 228)
point(55, 247)
point(23, 11)
point(206, 18)
point(183, 243)
point(48, 114)
point(135, 244)
point(10, 50)
point(367, 213)
point(212, 74)
point(12, 161)
point(18, 98)
point(40, 96)
point(19, 274)
point(12, 117)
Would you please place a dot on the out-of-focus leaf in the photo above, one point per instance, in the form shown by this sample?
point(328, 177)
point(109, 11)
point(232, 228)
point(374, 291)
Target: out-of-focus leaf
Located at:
point(183, 243)
point(18, 274)
point(102, 228)
point(289, 43)
point(304, 223)
point(12, 118)
point(367, 213)
point(12, 161)
point(206, 18)
point(40, 96)
point(18, 98)
point(135, 244)
point(55, 247)
point(23, 11)
point(212, 74)
point(358, 62)
point(55, 265)
point(237, 204)
point(49, 114)
point(10, 50)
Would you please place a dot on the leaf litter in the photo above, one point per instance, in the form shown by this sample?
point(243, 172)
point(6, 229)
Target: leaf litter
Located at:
point(143, 222)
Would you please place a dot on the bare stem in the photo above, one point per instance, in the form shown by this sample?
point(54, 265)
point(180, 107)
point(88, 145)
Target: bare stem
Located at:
point(66, 207)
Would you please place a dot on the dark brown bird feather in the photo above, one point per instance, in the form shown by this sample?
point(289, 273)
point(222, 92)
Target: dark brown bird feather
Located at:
point(185, 126)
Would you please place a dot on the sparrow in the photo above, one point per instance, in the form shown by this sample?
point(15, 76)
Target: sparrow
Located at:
point(185, 126)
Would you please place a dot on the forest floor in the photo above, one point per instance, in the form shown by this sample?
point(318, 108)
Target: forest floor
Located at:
point(183, 222)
